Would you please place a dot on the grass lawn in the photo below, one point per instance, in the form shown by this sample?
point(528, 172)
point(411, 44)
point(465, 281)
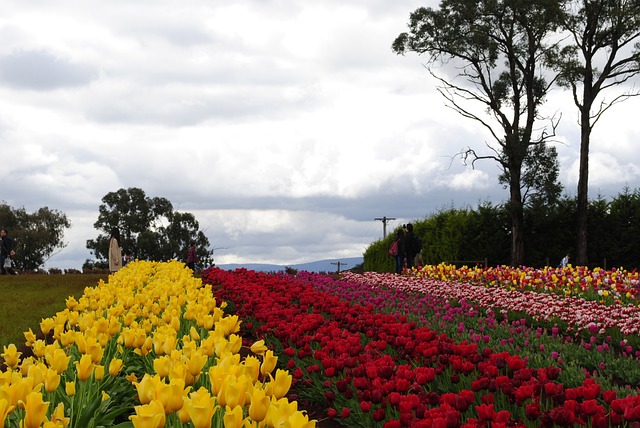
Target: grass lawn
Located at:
point(26, 299)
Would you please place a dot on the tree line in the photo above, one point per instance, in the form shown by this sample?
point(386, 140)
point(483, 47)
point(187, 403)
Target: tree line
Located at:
point(473, 235)
point(150, 229)
point(37, 236)
point(495, 63)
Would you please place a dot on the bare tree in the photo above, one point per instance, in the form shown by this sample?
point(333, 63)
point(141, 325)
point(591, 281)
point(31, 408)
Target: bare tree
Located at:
point(498, 48)
point(605, 52)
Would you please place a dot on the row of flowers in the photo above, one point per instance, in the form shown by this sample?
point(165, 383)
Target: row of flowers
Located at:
point(150, 348)
point(375, 369)
point(578, 313)
point(617, 285)
point(551, 333)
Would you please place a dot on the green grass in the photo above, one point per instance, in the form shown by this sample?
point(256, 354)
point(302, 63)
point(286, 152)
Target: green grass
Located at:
point(26, 299)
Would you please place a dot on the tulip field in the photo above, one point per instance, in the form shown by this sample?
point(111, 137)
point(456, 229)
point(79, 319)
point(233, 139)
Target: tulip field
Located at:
point(438, 346)
point(450, 347)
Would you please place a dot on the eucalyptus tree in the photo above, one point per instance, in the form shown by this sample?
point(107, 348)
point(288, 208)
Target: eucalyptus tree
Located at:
point(37, 236)
point(496, 50)
point(604, 52)
point(149, 228)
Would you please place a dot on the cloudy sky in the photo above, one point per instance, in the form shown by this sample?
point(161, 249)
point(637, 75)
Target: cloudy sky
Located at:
point(286, 127)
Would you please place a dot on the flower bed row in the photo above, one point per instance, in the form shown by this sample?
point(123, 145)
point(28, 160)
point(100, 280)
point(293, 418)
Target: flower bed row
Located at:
point(545, 343)
point(578, 313)
point(150, 348)
point(374, 369)
point(608, 286)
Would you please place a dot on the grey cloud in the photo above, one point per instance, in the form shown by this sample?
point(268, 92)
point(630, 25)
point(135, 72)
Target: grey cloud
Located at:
point(43, 71)
point(143, 106)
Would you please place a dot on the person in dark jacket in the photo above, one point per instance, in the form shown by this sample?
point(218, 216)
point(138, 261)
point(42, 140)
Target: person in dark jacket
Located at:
point(6, 251)
point(192, 256)
point(412, 246)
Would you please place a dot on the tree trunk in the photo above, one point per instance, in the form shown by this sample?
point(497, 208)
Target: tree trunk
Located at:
point(583, 176)
point(517, 219)
point(583, 192)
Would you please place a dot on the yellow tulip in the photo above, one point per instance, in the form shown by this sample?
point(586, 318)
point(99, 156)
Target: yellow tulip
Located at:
point(230, 324)
point(233, 392)
point(51, 380)
point(148, 416)
point(196, 363)
point(300, 420)
point(259, 406)
point(39, 347)
point(221, 346)
point(70, 388)
point(164, 394)
point(207, 346)
point(217, 377)
point(201, 407)
point(5, 409)
point(127, 336)
point(235, 343)
point(58, 418)
point(183, 415)
point(71, 302)
point(268, 363)
point(158, 342)
point(20, 388)
point(46, 325)
point(36, 372)
point(114, 326)
point(162, 366)
point(11, 356)
point(35, 410)
point(84, 367)
point(282, 383)
point(98, 372)
point(114, 366)
point(175, 323)
point(177, 396)
point(68, 338)
point(252, 367)
point(25, 364)
point(146, 388)
point(105, 396)
point(139, 338)
point(259, 347)
point(194, 334)
point(233, 418)
point(95, 350)
point(188, 347)
point(178, 372)
point(30, 337)
point(58, 360)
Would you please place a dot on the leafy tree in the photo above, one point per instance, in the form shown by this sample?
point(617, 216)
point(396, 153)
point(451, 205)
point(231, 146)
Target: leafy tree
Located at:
point(497, 48)
point(149, 228)
point(605, 52)
point(37, 236)
point(539, 182)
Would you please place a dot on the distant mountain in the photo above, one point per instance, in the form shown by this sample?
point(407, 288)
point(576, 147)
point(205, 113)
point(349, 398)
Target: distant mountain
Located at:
point(329, 265)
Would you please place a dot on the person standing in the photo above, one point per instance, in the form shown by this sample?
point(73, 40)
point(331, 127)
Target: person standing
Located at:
point(127, 258)
point(115, 254)
point(564, 262)
point(413, 246)
point(6, 251)
point(192, 257)
point(400, 238)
